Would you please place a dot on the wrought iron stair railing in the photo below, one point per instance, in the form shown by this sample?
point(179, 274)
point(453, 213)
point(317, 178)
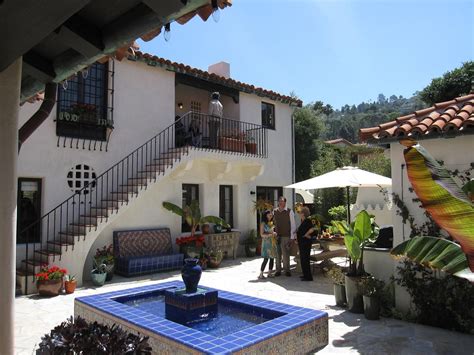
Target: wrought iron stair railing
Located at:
point(97, 200)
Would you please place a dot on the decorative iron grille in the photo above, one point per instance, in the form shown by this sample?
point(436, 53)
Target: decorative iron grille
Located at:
point(85, 104)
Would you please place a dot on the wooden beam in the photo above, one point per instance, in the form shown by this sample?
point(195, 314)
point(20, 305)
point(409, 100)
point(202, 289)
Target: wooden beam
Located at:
point(38, 67)
point(162, 8)
point(25, 23)
point(81, 35)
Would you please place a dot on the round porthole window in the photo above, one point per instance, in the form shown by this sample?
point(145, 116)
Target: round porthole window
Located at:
point(81, 176)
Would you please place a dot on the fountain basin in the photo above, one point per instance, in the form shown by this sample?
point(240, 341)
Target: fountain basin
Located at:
point(263, 326)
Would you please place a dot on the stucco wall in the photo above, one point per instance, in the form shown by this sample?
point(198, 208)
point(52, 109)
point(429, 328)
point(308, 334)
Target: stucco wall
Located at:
point(144, 104)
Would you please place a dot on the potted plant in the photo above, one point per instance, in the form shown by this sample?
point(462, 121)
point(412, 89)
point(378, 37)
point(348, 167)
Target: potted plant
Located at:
point(338, 278)
point(372, 289)
point(356, 235)
point(70, 283)
point(250, 145)
point(215, 258)
point(190, 246)
point(250, 243)
point(106, 256)
point(99, 274)
point(192, 215)
point(49, 281)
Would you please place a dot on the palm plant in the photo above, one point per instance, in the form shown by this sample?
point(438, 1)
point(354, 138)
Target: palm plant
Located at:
point(192, 215)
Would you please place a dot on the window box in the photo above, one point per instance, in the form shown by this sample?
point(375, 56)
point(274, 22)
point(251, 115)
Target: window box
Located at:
point(232, 144)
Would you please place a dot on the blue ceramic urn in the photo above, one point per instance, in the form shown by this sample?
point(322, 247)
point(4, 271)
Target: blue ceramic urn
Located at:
point(191, 274)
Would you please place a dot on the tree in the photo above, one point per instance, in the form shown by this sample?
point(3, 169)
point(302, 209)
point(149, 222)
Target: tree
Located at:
point(452, 84)
point(376, 163)
point(308, 126)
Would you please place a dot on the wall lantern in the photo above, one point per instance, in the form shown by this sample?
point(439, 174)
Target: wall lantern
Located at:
point(180, 105)
point(252, 192)
point(167, 34)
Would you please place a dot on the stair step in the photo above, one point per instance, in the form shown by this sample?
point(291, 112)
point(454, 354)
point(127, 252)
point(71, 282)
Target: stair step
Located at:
point(72, 234)
point(101, 216)
point(164, 161)
point(83, 225)
point(61, 242)
point(34, 262)
point(48, 252)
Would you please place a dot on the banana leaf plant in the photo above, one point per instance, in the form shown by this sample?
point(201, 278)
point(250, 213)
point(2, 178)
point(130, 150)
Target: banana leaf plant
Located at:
point(450, 208)
point(356, 236)
point(192, 215)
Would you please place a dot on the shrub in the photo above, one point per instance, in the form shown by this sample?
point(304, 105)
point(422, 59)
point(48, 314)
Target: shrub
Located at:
point(338, 212)
point(444, 302)
point(77, 336)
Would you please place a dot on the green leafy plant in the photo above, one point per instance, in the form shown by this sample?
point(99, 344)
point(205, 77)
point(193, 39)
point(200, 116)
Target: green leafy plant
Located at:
point(338, 212)
point(356, 235)
point(78, 336)
point(192, 215)
point(371, 286)
point(70, 278)
point(432, 252)
point(439, 301)
point(105, 255)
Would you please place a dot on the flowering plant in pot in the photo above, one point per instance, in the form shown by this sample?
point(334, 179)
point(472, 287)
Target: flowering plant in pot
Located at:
point(105, 256)
point(338, 278)
point(70, 283)
point(49, 281)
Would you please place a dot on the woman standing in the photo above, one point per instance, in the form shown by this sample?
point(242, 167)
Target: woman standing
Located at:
point(268, 243)
point(304, 233)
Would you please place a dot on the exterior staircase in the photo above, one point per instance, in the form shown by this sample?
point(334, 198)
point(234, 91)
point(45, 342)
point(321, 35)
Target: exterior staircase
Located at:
point(76, 222)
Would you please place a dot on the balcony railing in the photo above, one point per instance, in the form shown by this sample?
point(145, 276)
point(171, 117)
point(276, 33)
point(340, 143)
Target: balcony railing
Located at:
point(215, 133)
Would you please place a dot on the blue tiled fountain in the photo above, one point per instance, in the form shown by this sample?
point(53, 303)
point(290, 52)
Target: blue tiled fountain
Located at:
point(208, 321)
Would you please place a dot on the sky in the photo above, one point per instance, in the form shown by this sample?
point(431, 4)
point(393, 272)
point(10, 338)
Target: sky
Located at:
point(337, 51)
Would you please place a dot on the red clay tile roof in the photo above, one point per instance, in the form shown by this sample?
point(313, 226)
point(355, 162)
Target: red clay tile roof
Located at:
point(339, 140)
point(449, 117)
point(186, 69)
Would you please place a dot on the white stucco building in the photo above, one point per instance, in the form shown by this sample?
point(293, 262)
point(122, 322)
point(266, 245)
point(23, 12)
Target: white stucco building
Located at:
point(103, 115)
point(445, 131)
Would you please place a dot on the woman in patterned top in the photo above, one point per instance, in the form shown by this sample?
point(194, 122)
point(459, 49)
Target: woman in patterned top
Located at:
point(268, 243)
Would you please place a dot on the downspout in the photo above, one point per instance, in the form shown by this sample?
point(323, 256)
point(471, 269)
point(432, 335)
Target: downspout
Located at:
point(39, 116)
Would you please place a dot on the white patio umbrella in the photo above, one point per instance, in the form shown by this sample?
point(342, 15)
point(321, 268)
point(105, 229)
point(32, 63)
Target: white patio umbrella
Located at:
point(347, 176)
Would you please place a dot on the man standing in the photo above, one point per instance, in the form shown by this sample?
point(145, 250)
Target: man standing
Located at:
point(215, 111)
point(286, 233)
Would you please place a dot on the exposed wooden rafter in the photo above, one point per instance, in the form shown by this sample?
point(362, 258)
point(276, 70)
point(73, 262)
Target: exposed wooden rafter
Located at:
point(81, 35)
point(38, 67)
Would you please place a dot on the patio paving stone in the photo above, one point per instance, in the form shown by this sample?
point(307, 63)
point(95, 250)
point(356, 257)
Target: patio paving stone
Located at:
point(348, 333)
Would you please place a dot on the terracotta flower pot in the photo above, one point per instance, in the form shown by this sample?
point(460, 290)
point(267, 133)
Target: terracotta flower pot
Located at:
point(49, 288)
point(70, 286)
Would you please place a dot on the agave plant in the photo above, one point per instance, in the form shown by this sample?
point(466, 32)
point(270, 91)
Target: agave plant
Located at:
point(192, 215)
point(450, 208)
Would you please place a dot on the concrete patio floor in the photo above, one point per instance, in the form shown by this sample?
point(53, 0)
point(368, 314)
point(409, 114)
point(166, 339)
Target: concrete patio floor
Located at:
point(348, 333)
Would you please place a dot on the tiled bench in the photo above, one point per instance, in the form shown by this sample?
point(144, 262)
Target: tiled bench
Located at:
point(139, 252)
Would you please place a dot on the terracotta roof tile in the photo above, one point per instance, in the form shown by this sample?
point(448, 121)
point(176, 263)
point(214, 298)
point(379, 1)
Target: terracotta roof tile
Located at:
point(450, 116)
point(186, 69)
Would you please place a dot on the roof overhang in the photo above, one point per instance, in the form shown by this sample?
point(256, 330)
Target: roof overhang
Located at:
point(59, 38)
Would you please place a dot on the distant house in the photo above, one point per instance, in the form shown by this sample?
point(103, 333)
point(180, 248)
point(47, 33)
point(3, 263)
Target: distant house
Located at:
point(446, 131)
point(126, 136)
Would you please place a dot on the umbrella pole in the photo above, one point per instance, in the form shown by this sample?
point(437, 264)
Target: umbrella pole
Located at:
point(348, 206)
